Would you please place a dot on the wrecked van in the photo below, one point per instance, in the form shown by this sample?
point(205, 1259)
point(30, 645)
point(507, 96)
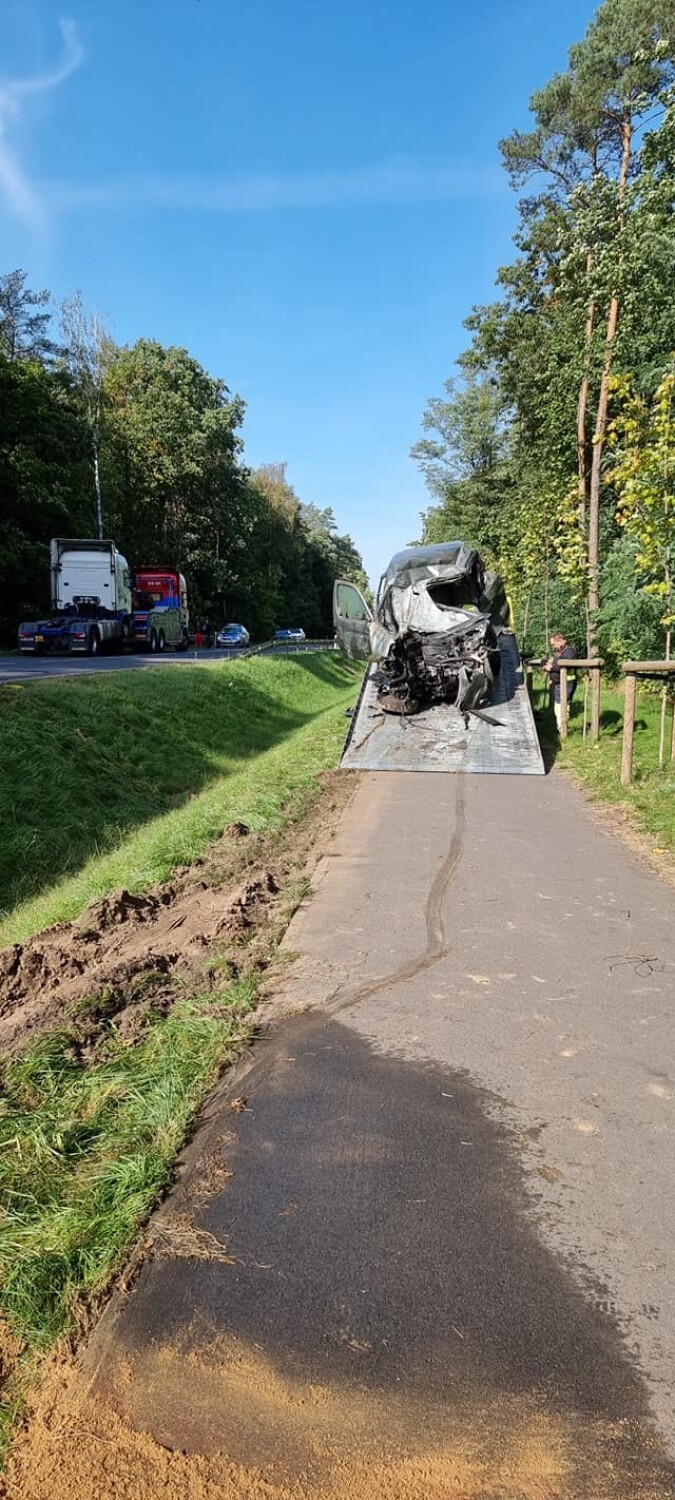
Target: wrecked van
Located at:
point(434, 631)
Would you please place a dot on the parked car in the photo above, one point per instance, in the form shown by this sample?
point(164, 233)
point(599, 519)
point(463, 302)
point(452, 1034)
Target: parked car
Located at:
point(284, 637)
point(233, 635)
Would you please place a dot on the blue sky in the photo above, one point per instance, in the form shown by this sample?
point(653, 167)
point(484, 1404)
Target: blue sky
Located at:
point(305, 193)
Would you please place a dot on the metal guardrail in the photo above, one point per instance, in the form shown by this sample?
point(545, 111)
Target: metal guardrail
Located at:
point(289, 648)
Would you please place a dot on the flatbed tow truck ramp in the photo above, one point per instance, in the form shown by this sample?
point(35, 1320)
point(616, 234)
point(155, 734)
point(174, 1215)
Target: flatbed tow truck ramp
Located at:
point(501, 740)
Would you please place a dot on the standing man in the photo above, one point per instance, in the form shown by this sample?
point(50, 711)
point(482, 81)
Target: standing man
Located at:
point(562, 651)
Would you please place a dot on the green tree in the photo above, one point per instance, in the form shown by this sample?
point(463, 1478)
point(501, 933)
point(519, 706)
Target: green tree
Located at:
point(24, 321)
point(169, 464)
point(465, 463)
point(44, 483)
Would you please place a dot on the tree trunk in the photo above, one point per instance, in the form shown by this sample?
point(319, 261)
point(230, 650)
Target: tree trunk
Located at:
point(97, 485)
point(601, 422)
point(582, 435)
point(582, 407)
point(95, 443)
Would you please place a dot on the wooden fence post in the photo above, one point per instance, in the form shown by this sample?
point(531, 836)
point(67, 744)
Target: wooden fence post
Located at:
point(529, 680)
point(563, 701)
point(595, 705)
point(628, 729)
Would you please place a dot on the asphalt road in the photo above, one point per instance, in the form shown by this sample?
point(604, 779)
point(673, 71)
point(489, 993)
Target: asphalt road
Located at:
point(441, 1229)
point(26, 668)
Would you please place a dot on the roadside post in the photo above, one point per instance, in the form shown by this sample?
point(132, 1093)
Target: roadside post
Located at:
point(593, 665)
point(649, 670)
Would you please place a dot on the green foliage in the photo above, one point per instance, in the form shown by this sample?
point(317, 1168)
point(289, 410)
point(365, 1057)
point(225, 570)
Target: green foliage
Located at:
point(643, 437)
point(650, 799)
point(549, 606)
point(44, 482)
point(24, 320)
point(464, 464)
point(517, 460)
point(160, 439)
point(630, 627)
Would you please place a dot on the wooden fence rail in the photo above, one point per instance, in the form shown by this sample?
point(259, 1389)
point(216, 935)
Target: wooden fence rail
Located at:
point(663, 671)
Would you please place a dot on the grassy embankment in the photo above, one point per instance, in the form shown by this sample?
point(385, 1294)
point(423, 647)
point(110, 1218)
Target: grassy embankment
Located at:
point(109, 781)
point(114, 780)
point(650, 800)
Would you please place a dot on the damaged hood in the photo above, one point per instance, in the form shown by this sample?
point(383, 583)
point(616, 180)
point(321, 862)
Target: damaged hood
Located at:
point(413, 608)
point(427, 591)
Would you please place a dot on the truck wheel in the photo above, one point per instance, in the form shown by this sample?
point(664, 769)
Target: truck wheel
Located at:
point(93, 643)
point(161, 641)
point(153, 640)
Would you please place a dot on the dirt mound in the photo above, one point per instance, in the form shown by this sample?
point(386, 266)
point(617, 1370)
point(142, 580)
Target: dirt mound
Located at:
point(119, 961)
point(120, 950)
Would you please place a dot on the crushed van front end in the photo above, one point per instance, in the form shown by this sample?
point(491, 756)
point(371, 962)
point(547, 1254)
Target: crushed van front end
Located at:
point(457, 666)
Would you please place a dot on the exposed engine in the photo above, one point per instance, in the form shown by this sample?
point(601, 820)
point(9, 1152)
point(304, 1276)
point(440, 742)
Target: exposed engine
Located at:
point(457, 666)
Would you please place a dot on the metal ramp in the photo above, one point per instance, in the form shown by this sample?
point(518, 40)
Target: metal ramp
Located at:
point(437, 740)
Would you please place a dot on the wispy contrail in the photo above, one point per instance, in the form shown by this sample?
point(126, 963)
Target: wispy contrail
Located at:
point(397, 182)
point(20, 196)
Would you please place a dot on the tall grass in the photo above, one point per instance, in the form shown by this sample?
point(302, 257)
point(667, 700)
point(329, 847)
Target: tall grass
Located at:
point(86, 1152)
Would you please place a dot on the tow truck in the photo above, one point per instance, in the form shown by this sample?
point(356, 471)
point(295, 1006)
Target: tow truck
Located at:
point(160, 615)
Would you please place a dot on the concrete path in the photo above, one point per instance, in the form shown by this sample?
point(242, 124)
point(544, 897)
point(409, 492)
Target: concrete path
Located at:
point(444, 1222)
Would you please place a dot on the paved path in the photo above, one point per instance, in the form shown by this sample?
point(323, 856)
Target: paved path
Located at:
point(447, 1240)
point(27, 668)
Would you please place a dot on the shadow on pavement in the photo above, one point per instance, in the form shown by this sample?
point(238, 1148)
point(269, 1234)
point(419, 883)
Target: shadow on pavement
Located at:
point(381, 1243)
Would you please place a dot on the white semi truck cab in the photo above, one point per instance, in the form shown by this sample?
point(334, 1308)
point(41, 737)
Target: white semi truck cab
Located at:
point(83, 570)
point(90, 599)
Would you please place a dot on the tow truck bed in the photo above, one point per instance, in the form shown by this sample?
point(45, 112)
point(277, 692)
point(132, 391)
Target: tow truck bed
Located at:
point(436, 739)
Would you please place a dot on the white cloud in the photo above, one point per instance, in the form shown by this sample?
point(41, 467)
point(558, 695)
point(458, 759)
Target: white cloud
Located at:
point(20, 196)
point(397, 182)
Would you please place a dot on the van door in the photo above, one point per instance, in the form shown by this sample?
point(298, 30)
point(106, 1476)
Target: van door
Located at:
point(351, 618)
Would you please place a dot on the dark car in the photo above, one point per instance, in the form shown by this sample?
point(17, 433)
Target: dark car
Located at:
point(434, 631)
point(233, 635)
point(286, 637)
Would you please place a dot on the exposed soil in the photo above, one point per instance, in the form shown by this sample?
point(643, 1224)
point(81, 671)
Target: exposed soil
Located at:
point(77, 1447)
point(128, 956)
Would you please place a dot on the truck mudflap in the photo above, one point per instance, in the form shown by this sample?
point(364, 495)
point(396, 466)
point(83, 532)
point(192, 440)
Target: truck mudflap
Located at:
point(500, 739)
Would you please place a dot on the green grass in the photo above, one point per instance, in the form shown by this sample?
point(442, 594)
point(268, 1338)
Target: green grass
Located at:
point(86, 1152)
point(116, 779)
point(651, 797)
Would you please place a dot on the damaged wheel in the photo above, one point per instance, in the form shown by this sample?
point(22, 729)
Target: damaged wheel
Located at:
point(393, 703)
